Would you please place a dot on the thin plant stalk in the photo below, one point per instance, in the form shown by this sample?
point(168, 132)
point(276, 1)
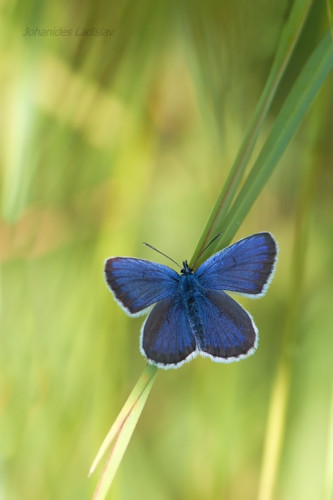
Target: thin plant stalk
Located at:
point(289, 37)
point(298, 102)
point(277, 414)
point(328, 478)
point(122, 430)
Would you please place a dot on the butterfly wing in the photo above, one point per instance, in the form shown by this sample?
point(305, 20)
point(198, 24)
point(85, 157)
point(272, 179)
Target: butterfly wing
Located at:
point(229, 333)
point(166, 336)
point(138, 283)
point(245, 267)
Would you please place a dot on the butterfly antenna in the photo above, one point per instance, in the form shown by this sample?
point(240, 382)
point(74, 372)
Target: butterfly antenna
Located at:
point(158, 251)
point(202, 251)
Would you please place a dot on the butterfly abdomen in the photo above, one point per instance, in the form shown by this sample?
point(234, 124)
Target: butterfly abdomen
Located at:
point(192, 291)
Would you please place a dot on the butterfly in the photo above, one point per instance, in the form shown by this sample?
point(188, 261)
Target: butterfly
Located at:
point(192, 313)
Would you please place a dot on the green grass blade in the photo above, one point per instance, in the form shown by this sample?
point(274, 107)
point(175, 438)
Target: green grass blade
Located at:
point(277, 421)
point(288, 39)
point(289, 119)
point(330, 15)
point(328, 479)
point(122, 430)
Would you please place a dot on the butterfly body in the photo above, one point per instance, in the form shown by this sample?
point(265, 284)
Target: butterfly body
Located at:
point(192, 313)
point(191, 293)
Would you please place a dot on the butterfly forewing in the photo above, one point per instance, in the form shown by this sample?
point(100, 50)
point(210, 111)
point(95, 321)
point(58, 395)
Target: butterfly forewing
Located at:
point(138, 283)
point(245, 267)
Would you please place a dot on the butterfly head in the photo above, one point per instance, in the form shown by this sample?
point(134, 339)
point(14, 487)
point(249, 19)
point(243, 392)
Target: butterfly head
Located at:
point(186, 269)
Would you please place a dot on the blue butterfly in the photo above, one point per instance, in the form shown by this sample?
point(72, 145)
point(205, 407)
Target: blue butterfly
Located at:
point(192, 313)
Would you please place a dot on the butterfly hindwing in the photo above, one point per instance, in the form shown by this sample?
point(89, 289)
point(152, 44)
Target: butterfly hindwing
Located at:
point(229, 332)
point(138, 283)
point(245, 267)
point(166, 336)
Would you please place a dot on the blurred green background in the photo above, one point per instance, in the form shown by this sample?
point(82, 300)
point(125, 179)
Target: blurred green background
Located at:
point(112, 138)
